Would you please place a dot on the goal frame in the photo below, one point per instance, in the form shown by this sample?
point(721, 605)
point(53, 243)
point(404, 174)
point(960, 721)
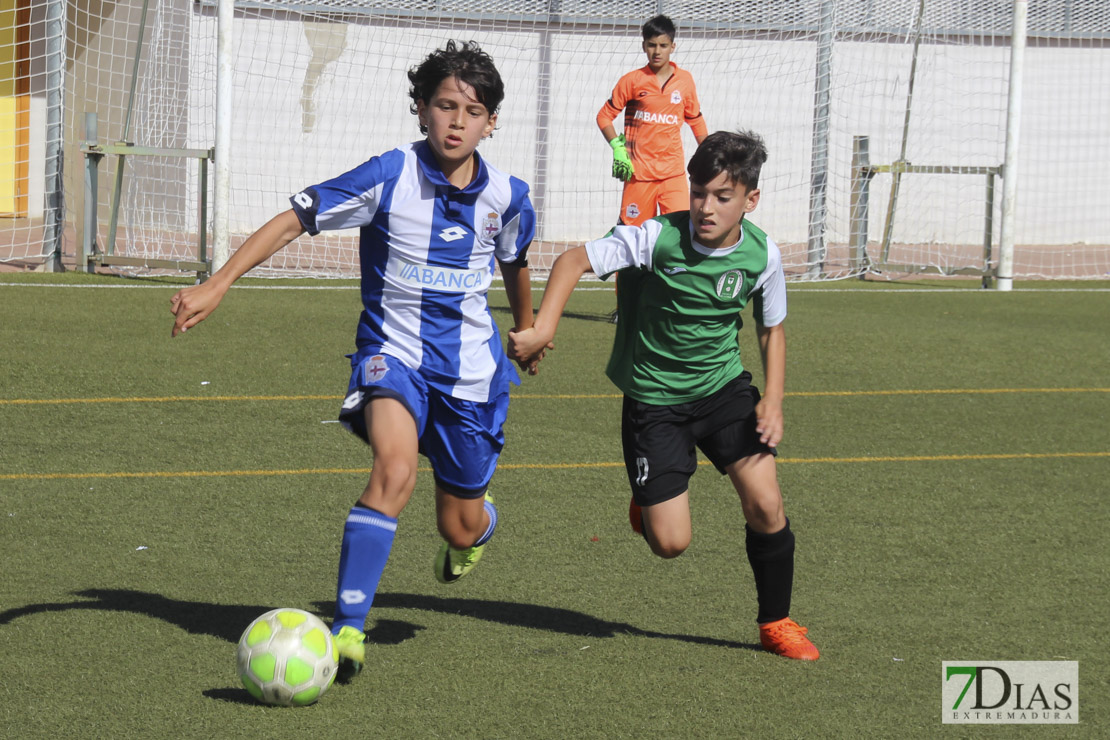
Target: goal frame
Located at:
point(826, 219)
point(862, 174)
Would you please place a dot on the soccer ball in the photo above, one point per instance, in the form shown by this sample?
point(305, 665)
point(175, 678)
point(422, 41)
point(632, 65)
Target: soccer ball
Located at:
point(286, 657)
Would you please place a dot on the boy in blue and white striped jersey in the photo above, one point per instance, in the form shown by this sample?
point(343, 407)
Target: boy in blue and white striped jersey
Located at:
point(429, 375)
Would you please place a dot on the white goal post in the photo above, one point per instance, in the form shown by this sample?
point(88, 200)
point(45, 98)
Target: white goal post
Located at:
point(317, 86)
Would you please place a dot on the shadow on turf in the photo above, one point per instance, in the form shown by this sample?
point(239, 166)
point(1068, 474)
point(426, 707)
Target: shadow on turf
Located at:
point(234, 696)
point(534, 616)
point(227, 622)
point(199, 618)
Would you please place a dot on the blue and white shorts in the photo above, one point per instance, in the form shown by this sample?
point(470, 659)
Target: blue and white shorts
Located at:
point(461, 439)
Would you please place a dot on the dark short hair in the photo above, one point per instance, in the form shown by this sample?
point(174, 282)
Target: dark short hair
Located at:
point(469, 64)
point(660, 25)
point(739, 154)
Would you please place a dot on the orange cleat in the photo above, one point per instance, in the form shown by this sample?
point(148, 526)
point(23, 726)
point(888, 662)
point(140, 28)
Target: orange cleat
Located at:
point(635, 517)
point(787, 638)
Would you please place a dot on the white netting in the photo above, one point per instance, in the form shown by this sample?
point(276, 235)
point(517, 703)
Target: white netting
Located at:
point(31, 59)
point(321, 86)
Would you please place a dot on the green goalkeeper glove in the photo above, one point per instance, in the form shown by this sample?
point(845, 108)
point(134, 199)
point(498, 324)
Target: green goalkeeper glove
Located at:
point(622, 164)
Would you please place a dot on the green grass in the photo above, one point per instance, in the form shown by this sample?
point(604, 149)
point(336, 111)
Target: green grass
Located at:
point(964, 525)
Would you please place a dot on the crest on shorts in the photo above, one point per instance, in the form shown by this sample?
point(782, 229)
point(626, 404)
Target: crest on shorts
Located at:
point(491, 224)
point(676, 97)
point(374, 369)
point(729, 284)
point(631, 211)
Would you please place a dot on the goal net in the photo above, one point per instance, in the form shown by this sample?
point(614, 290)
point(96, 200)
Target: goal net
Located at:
point(321, 86)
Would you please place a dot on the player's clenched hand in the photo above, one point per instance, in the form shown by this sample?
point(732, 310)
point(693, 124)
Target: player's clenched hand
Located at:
point(192, 305)
point(528, 347)
point(768, 415)
point(622, 163)
point(532, 367)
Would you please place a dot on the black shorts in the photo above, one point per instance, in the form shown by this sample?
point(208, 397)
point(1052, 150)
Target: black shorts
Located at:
point(659, 441)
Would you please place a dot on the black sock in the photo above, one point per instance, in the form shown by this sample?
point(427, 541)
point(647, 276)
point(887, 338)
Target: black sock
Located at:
point(772, 560)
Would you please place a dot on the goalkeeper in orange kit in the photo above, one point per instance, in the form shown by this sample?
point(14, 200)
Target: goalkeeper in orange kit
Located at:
point(656, 99)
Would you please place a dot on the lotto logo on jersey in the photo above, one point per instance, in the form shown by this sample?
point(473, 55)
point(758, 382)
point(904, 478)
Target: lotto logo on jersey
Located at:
point(307, 200)
point(667, 118)
point(491, 224)
point(453, 233)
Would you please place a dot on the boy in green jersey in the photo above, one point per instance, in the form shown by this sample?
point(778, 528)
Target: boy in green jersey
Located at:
point(683, 279)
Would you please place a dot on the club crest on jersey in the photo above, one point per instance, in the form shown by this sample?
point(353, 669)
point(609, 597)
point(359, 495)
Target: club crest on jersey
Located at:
point(631, 211)
point(491, 224)
point(729, 284)
point(676, 97)
point(374, 369)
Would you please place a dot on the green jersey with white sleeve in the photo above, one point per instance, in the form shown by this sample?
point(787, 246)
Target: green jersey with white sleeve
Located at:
point(679, 304)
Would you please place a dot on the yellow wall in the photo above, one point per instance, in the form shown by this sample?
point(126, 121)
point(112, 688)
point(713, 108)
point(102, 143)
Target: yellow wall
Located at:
point(14, 125)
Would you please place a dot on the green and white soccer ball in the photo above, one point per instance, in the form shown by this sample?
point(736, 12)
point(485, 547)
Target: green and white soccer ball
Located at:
point(286, 657)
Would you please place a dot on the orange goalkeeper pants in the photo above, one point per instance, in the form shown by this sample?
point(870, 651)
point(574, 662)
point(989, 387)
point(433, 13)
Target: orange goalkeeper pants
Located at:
point(644, 199)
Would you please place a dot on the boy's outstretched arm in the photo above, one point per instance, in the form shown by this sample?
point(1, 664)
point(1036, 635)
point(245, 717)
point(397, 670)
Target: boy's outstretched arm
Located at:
point(192, 305)
point(768, 412)
point(528, 345)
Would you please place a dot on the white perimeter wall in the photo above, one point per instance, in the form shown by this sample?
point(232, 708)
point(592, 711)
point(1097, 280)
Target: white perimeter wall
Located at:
point(312, 100)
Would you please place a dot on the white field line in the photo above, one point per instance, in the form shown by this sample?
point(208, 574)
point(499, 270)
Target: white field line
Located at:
point(608, 288)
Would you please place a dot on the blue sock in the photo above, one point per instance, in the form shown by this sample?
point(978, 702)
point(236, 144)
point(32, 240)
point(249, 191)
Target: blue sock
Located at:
point(492, 511)
point(367, 540)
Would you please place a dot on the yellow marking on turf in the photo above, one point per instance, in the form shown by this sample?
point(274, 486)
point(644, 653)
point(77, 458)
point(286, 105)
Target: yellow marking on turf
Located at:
point(906, 392)
point(183, 474)
point(538, 396)
point(159, 399)
point(945, 391)
point(946, 458)
point(539, 466)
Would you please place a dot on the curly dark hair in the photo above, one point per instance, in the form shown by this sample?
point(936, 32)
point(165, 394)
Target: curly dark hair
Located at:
point(739, 154)
point(469, 64)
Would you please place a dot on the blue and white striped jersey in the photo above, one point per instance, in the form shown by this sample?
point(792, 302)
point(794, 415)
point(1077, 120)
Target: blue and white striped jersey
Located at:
point(427, 251)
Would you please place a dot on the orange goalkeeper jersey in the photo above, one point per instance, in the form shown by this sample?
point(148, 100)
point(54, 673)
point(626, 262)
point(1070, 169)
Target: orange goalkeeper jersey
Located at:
point(653, 118)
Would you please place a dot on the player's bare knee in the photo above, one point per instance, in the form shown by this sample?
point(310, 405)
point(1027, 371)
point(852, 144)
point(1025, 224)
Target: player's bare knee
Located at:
point(397, 475)
point(668, 547)
point(667, 552)
point(390, 486)
point(765, 516)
